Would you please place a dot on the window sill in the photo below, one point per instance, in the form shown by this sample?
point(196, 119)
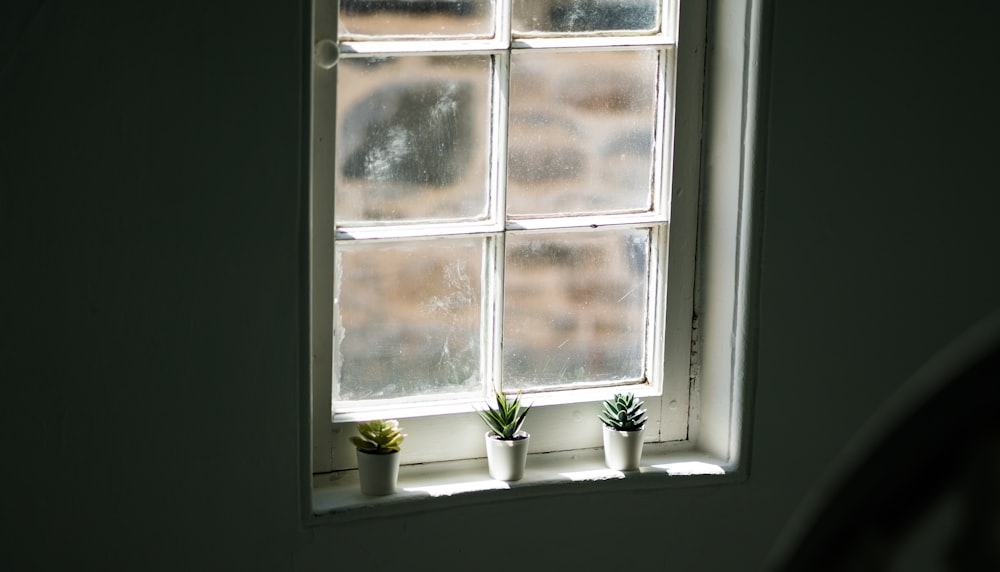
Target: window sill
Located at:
point(337, 497)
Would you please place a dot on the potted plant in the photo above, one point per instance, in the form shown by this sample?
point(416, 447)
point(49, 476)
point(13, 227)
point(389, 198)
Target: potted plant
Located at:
point(624, 425)
point(506, 444)
point(378, 455)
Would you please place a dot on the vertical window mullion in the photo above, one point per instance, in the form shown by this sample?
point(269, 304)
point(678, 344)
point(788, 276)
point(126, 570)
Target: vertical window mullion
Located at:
point(655, 354)
point(500, 111)
point(663, 172)
point(493, 321)
point(503, 17)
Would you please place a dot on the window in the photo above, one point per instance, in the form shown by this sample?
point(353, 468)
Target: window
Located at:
point(504, 193)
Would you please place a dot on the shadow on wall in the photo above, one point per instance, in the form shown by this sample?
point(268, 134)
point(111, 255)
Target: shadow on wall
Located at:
point(926, 495)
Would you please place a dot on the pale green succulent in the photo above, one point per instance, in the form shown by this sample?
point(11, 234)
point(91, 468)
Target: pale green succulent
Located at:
point(379, 437)
point(506, 418)
point(623, 412)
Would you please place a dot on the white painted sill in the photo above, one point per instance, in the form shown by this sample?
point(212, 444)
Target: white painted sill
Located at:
point(336, 497)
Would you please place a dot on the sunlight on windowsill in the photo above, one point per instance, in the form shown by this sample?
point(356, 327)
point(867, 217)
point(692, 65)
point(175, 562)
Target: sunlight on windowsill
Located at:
point(428, 486)
point(456, 488)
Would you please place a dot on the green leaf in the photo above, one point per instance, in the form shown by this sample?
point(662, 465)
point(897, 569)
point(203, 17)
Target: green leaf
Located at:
point(520, 421)
point(505, 415)
point(490, 421)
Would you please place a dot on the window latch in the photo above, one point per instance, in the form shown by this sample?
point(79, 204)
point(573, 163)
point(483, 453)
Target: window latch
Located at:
point(326, 53)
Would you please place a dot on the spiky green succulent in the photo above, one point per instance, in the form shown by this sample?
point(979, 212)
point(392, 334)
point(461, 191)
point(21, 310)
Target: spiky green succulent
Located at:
point(623, 412)
point(379, 437)
point(505, 419)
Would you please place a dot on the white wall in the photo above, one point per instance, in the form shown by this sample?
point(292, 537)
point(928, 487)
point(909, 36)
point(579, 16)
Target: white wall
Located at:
point(149, 231)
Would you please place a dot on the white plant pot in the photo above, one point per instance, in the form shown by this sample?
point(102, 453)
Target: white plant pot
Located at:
point(623, 449)
point(507, 458)
point(378, 473)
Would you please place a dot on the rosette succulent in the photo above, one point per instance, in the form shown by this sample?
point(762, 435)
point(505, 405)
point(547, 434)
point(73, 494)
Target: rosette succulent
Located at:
point(379, 437)
point(623, 412)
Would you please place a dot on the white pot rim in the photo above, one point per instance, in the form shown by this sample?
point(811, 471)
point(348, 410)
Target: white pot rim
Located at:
point(613, 430)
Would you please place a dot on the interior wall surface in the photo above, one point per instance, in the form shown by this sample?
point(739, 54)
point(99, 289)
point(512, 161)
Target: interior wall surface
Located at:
point(151, 181)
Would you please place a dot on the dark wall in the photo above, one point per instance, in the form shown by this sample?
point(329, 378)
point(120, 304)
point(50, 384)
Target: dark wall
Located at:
point(150, 186)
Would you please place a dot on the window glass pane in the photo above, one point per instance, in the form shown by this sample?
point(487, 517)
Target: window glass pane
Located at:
point(408, 318)
point(412, 139)
point(581, 135)
point(418, 19)
point(535, 17)
point(575, 307)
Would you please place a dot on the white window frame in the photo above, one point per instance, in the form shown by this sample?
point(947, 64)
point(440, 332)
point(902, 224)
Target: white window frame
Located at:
point(710, 196)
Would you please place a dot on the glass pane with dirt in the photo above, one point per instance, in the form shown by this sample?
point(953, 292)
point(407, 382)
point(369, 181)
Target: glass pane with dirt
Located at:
point(408, 319)
point(413, 138)
point(575, 308)
point(592, 17)
point(581, 134)
point(416, 19)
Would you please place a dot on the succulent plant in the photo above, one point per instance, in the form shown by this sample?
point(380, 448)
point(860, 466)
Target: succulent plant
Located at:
point(506, 418)
point(623, 412)
point(378, 437)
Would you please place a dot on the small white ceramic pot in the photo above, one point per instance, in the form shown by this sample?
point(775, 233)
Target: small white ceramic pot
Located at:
point(507, 458)
point(378, 473)
point(622, 449)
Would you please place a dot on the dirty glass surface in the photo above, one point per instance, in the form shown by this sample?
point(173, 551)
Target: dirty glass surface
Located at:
point(410, 324)
point(412, 139)
point(581, 132)
point(575, 307)
point(416, 19)
point(544, 17)
point(416, 145)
